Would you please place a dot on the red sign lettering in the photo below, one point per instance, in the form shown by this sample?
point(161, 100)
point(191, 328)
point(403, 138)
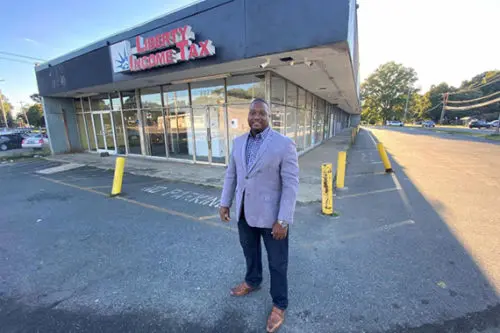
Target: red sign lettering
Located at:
point(193, 51)
point(155, 51)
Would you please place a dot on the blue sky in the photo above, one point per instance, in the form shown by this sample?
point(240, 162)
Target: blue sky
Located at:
point(444, 40)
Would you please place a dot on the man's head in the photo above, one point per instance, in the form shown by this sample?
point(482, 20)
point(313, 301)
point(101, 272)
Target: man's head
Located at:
point(258, 116)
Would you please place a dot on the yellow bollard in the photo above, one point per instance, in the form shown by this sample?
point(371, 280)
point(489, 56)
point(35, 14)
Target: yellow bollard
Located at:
point(326, 189)
point(341, 160)
point(384, 157)
point(118, 178)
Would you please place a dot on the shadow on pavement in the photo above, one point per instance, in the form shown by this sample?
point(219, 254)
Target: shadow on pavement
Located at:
point(22, 318)
point(426, 277)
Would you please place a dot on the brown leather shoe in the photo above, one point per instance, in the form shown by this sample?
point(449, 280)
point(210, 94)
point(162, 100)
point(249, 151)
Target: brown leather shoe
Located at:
point(242, 289)
point(275, 320)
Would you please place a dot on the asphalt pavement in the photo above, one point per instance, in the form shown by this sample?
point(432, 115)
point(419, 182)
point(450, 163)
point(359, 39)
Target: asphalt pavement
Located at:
point(156, 259)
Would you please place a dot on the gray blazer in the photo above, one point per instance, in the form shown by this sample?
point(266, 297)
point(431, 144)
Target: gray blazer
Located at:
point(271, 184)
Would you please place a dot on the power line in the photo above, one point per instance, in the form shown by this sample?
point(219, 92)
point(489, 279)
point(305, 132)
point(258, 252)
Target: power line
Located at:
point(20, 56)
point(475, 88)
point(440, 103)
point(472, 106)
point(475, 99)
point(19, 60)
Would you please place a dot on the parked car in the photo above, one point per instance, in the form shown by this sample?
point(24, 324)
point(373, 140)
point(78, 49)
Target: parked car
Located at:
point(428, 123)
point(479, 124)
point(10, 141)
point(37, 141)
point(394, 123)
point(494, 123)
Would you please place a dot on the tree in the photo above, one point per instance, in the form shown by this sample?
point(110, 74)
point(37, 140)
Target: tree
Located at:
point(7, 107)
point(385, 91)
point(419, 106)
point(36, 98)
point(35, 115)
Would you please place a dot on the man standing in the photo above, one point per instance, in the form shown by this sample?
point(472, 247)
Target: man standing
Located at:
point(263, 172)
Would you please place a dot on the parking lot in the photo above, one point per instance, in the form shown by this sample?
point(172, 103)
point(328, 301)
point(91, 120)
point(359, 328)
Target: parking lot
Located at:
point(157, 259)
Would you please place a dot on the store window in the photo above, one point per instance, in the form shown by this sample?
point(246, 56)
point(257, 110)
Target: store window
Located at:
point(82, 131)
point(207, 93)
point(129, 100)
point(309, 120)
point(151, 98)
point(278, 118)
point(207, 99)
point(178, 116)
point(132, 125)
point(119, 132)
point(100, 102)
point(132, 122)
point(291, 121)
point(86, 104)
point(90, 130)
point(115, 101)
point(277, 90)
point(291, 94)
point(243, 89)
point(78, 105)
point(153, 122)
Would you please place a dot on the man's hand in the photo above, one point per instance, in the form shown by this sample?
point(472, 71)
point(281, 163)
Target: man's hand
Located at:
point(279, 232)
point(224, 214)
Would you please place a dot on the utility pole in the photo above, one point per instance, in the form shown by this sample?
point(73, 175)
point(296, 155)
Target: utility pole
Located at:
point(445, 100)
point(407, 102)
point(498, 125)
point(3, 111)
point(24, 112)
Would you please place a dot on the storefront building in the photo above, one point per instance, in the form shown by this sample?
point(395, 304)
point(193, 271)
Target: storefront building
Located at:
point(179, 87)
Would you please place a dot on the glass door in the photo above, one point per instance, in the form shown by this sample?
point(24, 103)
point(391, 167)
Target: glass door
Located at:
point(99, 132)
point(104, 132)
point(109, 135)
point(202, 133)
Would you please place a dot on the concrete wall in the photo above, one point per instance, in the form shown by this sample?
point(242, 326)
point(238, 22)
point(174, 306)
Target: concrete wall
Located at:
point(239, 29)
point(355, 120)
point(352, 41)
point(58, 112)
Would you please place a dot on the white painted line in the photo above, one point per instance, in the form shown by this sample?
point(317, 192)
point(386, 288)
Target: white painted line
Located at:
point(368, 193)
point(61, 168)
point(371, 137)
point(402, 194)
point(174, 193)
point(367, 174)
point(385, 227)
point(376, 162)
point(208, 217)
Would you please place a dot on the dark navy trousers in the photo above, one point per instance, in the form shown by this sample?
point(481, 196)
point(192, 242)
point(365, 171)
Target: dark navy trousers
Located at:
point(277, 255)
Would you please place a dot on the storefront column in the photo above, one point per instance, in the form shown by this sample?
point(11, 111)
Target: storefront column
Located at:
point(140, 118)
point(60, 120)
point(268, 89)
point(125, 133)
point(85, 123)
point(226, 122)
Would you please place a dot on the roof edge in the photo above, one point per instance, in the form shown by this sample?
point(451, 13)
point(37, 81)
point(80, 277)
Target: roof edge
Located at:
point(167, 18)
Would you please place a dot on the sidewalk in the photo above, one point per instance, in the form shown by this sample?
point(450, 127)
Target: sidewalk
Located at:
point(310, 167)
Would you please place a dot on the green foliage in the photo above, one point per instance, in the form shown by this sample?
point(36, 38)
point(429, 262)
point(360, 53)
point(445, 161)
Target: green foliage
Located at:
point(35, 115)
point(419, 106)
point(384, 92)
point(36, 98)
point(7, 107)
